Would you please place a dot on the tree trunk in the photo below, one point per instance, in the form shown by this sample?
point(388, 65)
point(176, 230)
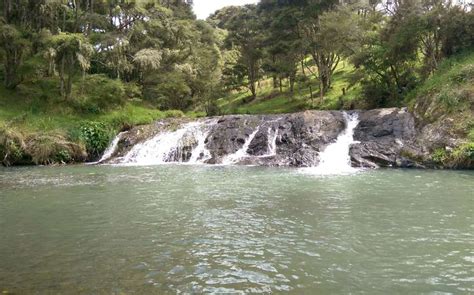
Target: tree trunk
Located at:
point(275, 82)
point(7, 7)
point(12, 64)
point(292, 79)
point(61, 78)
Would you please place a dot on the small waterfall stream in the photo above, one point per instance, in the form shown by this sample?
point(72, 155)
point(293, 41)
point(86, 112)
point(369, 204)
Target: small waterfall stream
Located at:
point(109, 152)
point(242, 152)
point(335, 159)
point(173, 147)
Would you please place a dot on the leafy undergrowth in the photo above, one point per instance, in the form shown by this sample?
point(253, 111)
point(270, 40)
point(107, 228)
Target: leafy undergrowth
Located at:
point(450, 90)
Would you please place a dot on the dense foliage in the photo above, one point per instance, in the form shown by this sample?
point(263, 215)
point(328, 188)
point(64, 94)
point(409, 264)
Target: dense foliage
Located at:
point(92, 51)
point(394, 45)
point(178, 62)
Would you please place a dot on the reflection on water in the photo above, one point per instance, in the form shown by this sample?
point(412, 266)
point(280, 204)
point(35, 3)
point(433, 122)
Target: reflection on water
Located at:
point(200, 229)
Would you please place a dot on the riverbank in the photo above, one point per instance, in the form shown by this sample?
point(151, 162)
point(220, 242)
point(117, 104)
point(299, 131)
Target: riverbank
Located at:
point(34, 131)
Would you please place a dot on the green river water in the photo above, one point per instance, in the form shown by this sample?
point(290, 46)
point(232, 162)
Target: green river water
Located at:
point(198, 229)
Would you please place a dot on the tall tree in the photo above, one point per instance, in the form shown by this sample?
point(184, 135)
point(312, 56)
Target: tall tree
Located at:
point(73, 54)
point(246, 34)
point(14, 46)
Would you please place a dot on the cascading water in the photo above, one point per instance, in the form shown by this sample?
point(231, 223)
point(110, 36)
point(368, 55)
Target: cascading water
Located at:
point(272, 146)
point(242, 152)
point(109, 152)
point(335, 159)
point(185, 145)
point(201, 153)
point(189, 145)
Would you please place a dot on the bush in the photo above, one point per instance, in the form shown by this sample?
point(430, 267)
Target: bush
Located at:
point(99, 93)
point(45, 149)
point(461, 157)
point(96, 136)
point(12, 146)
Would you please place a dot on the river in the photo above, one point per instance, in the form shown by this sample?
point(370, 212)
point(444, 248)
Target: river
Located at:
point(224, 229)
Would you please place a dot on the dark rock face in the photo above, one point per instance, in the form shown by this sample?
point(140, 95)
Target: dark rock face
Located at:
point(383, 136)
point(298, 137)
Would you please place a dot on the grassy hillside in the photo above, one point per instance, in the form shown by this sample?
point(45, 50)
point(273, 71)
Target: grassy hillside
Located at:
point(270, 101)
point(37, 127)
point(446, 101)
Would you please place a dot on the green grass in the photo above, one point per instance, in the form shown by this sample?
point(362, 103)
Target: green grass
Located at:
point(448, 92)
point(271, 101)
point(39, 127)
point(29, 114)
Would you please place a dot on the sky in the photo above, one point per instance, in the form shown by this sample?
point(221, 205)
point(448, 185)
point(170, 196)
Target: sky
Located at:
point(203, 8)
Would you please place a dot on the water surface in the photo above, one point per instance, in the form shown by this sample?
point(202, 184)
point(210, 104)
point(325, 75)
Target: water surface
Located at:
point(198, 229)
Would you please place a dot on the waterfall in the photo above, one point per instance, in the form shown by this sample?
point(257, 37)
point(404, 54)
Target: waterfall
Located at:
point(189, 144)
point(272, 146)
point(242, 152)
point(184, 145)
point(335, 159)
point(109, 152)
point(201, 153)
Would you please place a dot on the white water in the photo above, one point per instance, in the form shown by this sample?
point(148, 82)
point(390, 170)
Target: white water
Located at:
point(111, 149)
point(201, 153)
point(162, 148)
point(175, 147)
point(335, 159)
point(272, 146)
point(242, 152)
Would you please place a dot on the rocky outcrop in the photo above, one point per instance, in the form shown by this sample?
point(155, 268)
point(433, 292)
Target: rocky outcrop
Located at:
point(384, 138)
point(298, 137)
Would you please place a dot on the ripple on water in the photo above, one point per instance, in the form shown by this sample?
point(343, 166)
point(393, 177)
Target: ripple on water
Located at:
point(234, 230)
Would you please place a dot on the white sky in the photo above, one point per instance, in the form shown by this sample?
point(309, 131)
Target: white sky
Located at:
point(203, 8)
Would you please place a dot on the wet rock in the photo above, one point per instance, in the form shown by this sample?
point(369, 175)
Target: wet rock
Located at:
point(385, 138)
point(383, 135)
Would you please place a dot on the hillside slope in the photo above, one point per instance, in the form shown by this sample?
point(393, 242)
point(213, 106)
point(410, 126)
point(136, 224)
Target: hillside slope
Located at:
point(444, 109)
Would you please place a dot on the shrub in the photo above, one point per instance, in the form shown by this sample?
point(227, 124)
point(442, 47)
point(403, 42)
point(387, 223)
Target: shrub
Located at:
point(460, 158)
point(99, 93)
point(12, 146)
point(96, 136)
point(45, 149)
point(439, 156)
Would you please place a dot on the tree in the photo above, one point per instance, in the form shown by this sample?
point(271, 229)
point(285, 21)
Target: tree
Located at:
point(245, 34)
point(330, 37)
point(388, 55)
point(73, 54)
point(14, 46)
point(147, 60)
point(283, 42)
